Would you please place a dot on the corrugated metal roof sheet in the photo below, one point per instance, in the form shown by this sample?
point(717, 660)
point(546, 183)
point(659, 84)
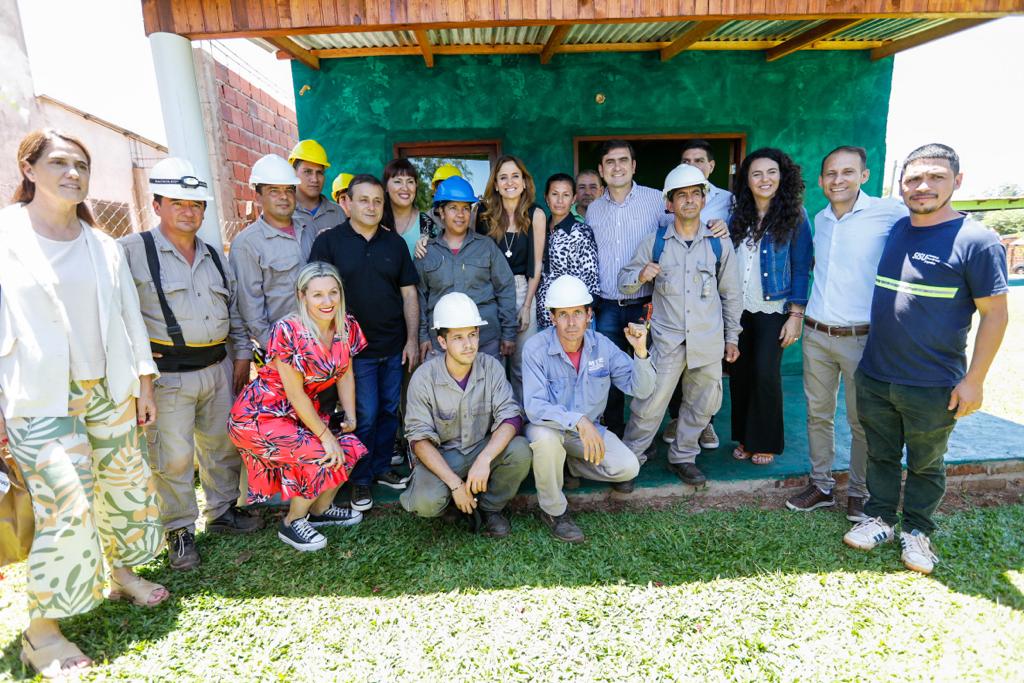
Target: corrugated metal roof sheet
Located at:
point(599, 34)
point(887, 29)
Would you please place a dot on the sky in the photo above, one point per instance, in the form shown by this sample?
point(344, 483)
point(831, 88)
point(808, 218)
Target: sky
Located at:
point(972, 82)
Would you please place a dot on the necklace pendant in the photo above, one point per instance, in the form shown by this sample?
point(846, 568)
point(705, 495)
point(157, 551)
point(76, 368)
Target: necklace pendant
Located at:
point(508, 253)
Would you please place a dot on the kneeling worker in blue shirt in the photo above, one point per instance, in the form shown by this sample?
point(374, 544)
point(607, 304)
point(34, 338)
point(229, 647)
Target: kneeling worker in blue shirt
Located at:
point(567, 372)
point(461, 421)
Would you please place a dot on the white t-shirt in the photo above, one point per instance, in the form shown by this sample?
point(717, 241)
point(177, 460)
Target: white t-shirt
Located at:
point(76, 288)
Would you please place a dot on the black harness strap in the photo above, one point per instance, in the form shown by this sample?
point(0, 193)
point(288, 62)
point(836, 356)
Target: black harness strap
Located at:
point(173, 328)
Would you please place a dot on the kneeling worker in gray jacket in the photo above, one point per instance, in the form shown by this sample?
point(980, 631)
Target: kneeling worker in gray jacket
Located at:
point(461, 422)
point(567, 372)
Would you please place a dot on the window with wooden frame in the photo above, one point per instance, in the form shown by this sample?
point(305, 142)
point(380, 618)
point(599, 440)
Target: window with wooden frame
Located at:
point(473, 158)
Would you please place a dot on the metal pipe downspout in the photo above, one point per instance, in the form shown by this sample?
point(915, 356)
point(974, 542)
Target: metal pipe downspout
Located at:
point(183, 117)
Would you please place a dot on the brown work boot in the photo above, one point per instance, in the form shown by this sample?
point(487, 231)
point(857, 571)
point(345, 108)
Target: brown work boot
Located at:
point(236, 520)
point(562, 527)
point(181, 550)
point(810, 498)
point(493, 524)
point(855, 509)
point(688, 472)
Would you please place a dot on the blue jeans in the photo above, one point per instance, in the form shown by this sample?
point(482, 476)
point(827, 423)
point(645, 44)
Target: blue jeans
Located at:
point(611, 319)
point(378, 390)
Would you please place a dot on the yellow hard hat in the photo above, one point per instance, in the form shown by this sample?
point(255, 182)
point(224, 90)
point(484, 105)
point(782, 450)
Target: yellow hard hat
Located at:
point(311, 151)
point(444, 172)
point(340, 184)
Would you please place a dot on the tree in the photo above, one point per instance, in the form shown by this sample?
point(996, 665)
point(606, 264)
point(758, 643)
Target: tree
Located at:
point(426, 167)
point(1006, 221)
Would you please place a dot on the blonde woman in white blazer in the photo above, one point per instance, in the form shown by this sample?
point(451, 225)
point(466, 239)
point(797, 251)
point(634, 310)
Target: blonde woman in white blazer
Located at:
point(76, 383)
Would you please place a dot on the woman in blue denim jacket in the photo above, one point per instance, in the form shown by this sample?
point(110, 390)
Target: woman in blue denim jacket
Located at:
point(772, 235)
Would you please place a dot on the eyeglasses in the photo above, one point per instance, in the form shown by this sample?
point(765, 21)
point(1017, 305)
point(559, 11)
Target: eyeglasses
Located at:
point(189, 182)
point(575, 316)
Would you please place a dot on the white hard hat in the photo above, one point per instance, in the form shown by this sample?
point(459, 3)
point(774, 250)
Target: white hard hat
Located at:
point(567, 291)
point(456, 310)
point(684, 175)
point(272, 170)
point(175, 178)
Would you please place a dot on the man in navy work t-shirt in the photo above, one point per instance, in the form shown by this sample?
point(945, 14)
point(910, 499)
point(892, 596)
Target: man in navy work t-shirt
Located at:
point(937, 268)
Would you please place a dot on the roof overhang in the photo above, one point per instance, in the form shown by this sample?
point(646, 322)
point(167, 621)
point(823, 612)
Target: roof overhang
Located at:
point(310, 30)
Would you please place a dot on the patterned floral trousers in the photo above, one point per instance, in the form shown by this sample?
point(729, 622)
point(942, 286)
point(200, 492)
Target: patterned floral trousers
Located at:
point(92, 495)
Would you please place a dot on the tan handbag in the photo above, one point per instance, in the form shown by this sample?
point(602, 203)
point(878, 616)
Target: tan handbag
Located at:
point(17, 524)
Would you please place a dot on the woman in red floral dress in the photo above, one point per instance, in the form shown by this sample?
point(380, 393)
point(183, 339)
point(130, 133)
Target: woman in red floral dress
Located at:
point(276, 422)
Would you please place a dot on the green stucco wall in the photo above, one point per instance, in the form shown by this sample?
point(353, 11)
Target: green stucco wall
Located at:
point(806, 104)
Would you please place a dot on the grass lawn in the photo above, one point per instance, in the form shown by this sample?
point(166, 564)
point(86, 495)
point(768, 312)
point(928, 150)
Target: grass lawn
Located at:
point(747, 595)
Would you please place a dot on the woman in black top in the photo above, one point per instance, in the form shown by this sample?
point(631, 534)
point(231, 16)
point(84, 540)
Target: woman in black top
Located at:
point(510, 217)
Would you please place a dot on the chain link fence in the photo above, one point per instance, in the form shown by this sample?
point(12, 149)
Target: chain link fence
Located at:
point(117, 218)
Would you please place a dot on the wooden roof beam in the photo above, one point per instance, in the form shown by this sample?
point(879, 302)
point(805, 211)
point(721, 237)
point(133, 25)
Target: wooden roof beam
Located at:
point(555, 40)
point(295, 51)
point(820, 32)
point(941, 31)
point(426, 47)
point(699, 31)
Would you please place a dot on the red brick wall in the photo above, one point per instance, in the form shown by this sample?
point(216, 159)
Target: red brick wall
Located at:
point(252, 124)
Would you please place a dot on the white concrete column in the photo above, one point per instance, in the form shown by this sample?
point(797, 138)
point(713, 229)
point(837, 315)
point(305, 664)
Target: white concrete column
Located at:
point(183, 116)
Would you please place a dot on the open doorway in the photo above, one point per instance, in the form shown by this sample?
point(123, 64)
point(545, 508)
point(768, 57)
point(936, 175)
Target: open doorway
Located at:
point(473, 158)
point(658, 154)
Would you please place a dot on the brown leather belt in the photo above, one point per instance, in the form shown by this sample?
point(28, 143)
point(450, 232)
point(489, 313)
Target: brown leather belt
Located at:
point(837, 330)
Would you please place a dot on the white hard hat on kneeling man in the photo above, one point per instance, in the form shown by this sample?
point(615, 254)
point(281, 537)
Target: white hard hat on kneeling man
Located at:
point(567, 291)
point(455, 310)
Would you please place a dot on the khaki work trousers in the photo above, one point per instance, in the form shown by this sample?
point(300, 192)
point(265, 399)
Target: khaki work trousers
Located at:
point(428, 496)
point(552, 446)
point(191, 424)
point(825, 359)
point(702, 397)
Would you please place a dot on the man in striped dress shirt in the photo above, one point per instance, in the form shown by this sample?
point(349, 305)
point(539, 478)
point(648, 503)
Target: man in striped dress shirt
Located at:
point(620, 218)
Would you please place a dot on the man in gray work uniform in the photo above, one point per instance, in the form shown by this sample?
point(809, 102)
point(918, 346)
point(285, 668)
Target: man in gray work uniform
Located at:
point(188, 302)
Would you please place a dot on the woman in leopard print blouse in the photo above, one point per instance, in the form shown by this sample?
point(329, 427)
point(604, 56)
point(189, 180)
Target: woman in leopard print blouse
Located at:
point(570, 248)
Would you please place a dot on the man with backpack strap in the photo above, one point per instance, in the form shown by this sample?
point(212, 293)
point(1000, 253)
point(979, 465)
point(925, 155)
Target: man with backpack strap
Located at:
point(187, 297)
point(697, 305)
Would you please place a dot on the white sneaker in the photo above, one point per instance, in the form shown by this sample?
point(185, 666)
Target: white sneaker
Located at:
point(868, 534)
point(708, 438)
point(917, 552)
point(669, 435)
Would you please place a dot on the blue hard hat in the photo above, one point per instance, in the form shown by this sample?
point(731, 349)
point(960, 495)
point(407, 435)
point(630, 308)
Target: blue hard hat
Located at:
point(454, 189)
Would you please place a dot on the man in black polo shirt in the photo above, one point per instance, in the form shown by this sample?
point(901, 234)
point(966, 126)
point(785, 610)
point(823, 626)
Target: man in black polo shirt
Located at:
point(380, 291)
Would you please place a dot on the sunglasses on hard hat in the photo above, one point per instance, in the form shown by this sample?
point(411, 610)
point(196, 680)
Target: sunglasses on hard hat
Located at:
point(189, 182)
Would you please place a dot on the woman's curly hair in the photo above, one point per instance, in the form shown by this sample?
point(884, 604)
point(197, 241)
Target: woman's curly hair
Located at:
point(785, 211)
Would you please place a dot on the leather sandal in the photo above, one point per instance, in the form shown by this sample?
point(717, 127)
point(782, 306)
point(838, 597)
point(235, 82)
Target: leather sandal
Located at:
point(56, 660)
point(139, 592)
point(741, 453)
point(762, 458)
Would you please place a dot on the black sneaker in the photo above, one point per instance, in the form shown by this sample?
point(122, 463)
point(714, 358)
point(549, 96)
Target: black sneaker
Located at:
point(182, 554)
point(301, 535)
point(394, 480)
point(563, 527)
point(362, 498)
point(235, 520)
point(335, 516)
point(494, 524)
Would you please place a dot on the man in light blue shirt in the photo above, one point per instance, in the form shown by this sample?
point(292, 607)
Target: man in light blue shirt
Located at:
point(568, 370)
point(849, 235)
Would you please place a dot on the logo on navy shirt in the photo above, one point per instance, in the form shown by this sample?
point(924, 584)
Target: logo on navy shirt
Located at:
point(930, 259)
